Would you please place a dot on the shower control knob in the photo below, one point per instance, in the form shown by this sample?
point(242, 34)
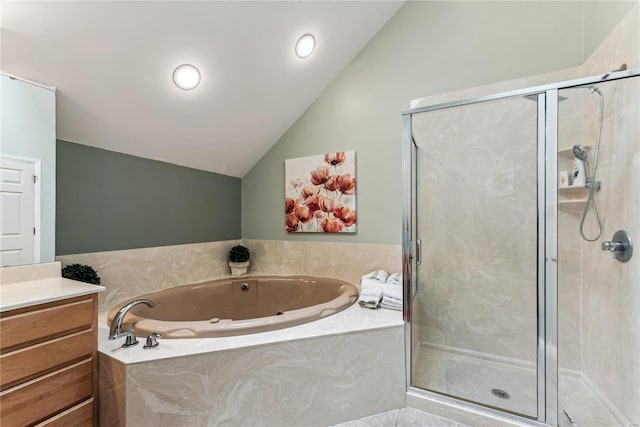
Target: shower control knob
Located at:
point(620, 246)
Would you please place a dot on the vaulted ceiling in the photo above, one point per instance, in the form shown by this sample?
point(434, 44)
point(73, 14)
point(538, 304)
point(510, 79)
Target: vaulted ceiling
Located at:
point(112, 64)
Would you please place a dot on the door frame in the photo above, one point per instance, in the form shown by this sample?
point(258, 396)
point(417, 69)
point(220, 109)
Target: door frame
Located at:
point(37, 202)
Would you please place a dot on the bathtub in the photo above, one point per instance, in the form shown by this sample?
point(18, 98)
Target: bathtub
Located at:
point(230, 307)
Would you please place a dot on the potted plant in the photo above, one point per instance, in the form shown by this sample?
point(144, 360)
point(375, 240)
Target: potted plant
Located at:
point(81, 273)
point(239, 260)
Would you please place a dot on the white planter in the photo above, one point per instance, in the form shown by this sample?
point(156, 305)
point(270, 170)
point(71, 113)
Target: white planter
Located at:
point(238, 268)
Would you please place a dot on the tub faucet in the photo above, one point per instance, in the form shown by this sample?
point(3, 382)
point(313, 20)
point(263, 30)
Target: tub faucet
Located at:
point(116, 332)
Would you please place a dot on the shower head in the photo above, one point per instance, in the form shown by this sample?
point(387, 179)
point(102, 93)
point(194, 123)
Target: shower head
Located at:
point(580, 152)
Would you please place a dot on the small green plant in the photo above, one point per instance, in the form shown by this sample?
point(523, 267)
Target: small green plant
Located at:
point(82, 273)
point(239, 254)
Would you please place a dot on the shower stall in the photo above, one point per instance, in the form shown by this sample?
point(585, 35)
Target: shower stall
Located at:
point(522, 292)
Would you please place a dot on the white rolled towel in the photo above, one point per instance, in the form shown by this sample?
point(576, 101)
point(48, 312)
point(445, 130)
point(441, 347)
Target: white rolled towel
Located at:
point(379, 275)
point(394, 279)
point(370, 293)
point(391, 304)
point(392, 292)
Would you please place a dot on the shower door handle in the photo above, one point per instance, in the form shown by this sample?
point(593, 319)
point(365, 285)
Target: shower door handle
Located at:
point(418, 252)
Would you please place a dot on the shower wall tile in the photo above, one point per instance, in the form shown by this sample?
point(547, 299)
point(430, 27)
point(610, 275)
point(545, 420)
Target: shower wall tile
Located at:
point(569, 292)
point(312, 382)
point(129, 273)
point(611, 294)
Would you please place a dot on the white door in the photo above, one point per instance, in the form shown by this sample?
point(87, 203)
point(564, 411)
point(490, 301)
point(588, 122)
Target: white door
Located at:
point(17, 229)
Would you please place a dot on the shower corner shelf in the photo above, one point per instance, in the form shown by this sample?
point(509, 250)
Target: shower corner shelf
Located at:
point(572, 199)
point(572, 205)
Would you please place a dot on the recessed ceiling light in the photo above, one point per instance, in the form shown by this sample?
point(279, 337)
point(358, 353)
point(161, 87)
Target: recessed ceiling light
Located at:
point(186, 76)
point(305, 45)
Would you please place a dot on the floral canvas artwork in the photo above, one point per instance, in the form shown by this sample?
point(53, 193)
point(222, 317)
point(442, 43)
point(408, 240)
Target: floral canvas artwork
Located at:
point(320, 193)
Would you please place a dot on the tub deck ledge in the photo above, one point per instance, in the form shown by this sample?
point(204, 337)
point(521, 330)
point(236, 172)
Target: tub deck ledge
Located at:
point(353, 319)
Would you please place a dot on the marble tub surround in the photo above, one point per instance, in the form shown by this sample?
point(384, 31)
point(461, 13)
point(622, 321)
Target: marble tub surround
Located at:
point(346, 366)
point(345, 261)
point(128, 273)
point(28, 285)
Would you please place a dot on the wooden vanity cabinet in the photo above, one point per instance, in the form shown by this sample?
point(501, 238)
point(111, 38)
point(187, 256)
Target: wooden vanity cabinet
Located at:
point(48, 364)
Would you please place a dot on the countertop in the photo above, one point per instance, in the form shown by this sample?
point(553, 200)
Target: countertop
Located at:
point(16, 293)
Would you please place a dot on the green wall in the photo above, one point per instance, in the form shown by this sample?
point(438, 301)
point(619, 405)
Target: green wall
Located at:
point(110, 201)
point(427, 48)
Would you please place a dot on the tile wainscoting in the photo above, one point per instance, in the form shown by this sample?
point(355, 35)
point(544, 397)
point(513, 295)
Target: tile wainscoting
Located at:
point(128, 273)
point(346, 366)
point(316, 381)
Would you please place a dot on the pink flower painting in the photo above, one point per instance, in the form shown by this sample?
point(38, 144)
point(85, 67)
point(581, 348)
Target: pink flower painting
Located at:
point(320, 193)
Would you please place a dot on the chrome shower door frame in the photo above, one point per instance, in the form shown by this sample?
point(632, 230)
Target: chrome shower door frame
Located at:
point(547, 258)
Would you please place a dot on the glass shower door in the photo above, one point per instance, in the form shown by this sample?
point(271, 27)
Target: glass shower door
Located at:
point(474, 316)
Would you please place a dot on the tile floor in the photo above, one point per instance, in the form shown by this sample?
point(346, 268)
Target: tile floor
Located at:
point(405, 417)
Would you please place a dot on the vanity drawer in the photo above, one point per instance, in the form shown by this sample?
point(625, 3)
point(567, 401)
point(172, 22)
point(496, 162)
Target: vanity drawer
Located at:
point(48, 322)
point(38, 399)
point(79, 415)
point(25, 363)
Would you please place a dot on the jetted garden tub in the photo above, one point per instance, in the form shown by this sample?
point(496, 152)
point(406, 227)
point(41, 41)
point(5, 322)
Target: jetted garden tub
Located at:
point(238, 306)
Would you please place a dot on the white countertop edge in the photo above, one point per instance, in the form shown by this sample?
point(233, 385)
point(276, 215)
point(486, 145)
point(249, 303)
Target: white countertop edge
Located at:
point(34, 292)
point(353, 319)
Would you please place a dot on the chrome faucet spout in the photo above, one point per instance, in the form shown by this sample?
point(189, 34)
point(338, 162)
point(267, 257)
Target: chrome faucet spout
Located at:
point(116, 332)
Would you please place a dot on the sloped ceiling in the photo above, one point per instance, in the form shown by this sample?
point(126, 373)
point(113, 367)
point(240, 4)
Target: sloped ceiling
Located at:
point(112, 64)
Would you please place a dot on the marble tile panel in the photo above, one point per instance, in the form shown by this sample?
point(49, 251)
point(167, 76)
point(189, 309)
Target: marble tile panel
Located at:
point(319, 381)
point(611, 299)
point(569, 292)
point(583, 405)
point(111, 391)
point(128, 273)
point(346, 261)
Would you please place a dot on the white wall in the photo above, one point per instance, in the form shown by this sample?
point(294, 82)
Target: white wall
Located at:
point(28, 129)
point(426, 48)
